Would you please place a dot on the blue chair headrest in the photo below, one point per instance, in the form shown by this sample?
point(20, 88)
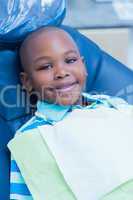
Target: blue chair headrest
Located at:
point(19, 17)
point(12, 101)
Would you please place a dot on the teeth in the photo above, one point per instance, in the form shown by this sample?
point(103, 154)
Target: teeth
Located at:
point(66, 88)
point(63, 87)
point(67, 85)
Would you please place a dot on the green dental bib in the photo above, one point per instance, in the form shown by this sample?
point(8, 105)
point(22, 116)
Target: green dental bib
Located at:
point(69, 161)
point(43, 182)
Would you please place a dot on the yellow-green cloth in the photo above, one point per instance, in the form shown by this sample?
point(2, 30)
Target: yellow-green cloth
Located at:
point(39, 168)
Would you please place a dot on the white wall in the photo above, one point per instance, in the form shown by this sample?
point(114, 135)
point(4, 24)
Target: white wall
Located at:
point(114, 41)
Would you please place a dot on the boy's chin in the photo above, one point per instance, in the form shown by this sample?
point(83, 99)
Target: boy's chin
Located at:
point(67, 101)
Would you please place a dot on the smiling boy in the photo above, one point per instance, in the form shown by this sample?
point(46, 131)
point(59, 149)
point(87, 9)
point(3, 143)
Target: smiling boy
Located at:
point(53, 66)
point(55, 70)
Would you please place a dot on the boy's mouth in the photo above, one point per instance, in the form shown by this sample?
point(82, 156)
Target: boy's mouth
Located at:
point(66, 87)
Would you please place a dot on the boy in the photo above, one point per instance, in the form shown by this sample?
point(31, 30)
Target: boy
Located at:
point(44, 71)
point(54, 69)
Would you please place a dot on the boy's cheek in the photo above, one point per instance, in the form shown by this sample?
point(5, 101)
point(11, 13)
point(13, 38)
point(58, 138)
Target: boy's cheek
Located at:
point(82, 78)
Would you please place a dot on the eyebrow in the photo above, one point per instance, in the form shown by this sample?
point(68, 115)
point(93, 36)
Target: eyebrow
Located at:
point(71, 51)
point(42, 58)
point(49, 57)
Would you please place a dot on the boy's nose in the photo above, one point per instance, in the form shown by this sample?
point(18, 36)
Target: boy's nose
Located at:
point(60, 72)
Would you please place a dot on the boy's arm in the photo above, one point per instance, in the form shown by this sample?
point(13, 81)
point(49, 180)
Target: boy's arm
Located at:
point(18, 187)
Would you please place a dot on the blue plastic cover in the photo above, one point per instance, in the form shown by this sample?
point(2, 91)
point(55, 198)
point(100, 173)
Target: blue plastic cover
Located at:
point(19, 17)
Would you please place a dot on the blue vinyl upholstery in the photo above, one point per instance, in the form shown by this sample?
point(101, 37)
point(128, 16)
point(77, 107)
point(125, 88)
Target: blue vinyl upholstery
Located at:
point(105, 75)
point(20, 17)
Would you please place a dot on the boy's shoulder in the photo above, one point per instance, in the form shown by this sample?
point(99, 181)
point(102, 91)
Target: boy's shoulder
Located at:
point(26, 125)
point(113, 102)
point(106, 99)
point(31, 124)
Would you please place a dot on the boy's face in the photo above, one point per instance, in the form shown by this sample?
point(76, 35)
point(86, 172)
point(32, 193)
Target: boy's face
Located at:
point(54, 68)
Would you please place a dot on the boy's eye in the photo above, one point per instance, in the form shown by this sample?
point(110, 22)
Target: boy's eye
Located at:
point(45, 67)
point(70, 60)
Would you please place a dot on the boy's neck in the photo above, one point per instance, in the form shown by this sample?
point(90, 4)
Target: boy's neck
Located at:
point(83, 101)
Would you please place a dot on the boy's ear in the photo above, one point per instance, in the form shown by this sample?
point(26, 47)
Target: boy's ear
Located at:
point(26, 83)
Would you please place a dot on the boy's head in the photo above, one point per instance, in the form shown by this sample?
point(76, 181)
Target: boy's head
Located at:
point(52, 66)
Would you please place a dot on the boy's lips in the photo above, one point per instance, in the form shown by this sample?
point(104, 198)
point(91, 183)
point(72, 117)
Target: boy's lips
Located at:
point(66, 87)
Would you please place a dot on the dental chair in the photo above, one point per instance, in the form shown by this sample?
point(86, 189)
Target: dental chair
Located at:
point(105, 74)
